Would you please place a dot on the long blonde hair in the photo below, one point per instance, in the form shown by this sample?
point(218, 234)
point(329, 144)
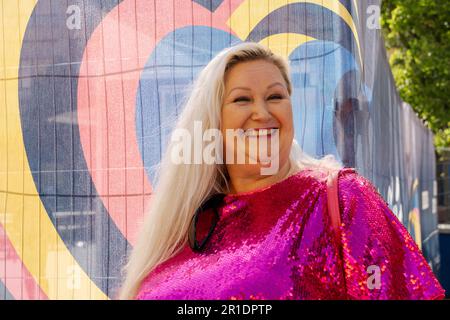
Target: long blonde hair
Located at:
point(181, 188)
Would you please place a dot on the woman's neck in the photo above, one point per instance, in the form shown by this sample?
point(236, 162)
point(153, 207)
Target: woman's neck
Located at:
point(244, 183)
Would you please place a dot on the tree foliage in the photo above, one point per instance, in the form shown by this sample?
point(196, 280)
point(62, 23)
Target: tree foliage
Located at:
point(417, 36)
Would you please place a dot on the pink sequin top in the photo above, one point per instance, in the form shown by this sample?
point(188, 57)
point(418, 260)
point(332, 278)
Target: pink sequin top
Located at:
point(277, 242)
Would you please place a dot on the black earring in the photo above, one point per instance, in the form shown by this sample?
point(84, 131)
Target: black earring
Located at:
point(212, 203)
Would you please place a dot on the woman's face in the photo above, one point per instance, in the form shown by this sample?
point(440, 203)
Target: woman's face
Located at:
point(256, 97)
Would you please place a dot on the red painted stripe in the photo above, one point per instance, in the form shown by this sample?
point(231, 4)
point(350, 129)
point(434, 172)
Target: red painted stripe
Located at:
point(15, 276)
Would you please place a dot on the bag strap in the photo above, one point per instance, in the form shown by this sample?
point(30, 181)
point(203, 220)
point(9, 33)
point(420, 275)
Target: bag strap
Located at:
point(333, 198)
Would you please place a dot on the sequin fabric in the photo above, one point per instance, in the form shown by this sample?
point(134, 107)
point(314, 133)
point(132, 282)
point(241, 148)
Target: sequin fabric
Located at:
point(278, 243)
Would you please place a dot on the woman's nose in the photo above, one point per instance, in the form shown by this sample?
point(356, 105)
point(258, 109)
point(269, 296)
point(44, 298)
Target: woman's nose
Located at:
point(260, 111)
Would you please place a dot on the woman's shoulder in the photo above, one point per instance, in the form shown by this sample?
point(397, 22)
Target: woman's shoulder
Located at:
point(353, 186)
point(349, 179)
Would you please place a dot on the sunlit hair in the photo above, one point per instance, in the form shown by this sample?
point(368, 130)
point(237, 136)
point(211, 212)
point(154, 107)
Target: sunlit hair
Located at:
point(181, 188)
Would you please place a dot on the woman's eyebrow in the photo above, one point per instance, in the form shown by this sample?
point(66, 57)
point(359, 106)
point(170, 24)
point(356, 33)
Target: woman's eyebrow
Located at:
point(242, 88)
point(275, 84)
point(268, 87)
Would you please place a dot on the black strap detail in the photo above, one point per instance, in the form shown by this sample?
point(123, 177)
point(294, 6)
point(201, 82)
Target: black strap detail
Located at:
point(212, 202)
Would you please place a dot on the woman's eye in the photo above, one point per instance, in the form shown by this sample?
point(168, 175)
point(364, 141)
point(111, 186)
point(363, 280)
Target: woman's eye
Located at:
point(275, 96)
point(241, 99)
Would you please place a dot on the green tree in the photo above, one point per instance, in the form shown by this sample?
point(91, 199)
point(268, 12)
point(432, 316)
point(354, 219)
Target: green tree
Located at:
point(417, 36)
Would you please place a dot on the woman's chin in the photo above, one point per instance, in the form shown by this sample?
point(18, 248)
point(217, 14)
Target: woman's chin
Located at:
point(269, 167)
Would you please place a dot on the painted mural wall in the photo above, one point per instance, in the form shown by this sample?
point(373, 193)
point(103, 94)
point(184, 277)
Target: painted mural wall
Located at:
point(89, 90)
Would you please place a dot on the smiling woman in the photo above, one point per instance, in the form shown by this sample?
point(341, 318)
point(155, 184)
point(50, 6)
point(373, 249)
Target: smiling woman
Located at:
point(254, 105)
point(268, 236)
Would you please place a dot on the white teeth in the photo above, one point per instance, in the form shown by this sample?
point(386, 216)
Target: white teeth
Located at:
point(261, 132)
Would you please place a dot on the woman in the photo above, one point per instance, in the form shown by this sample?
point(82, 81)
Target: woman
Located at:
point(273, 238)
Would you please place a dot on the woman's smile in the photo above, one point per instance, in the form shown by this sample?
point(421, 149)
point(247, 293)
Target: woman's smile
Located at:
point(259, 132)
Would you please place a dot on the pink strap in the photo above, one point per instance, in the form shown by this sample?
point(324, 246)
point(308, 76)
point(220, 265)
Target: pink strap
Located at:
point(333, 198)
